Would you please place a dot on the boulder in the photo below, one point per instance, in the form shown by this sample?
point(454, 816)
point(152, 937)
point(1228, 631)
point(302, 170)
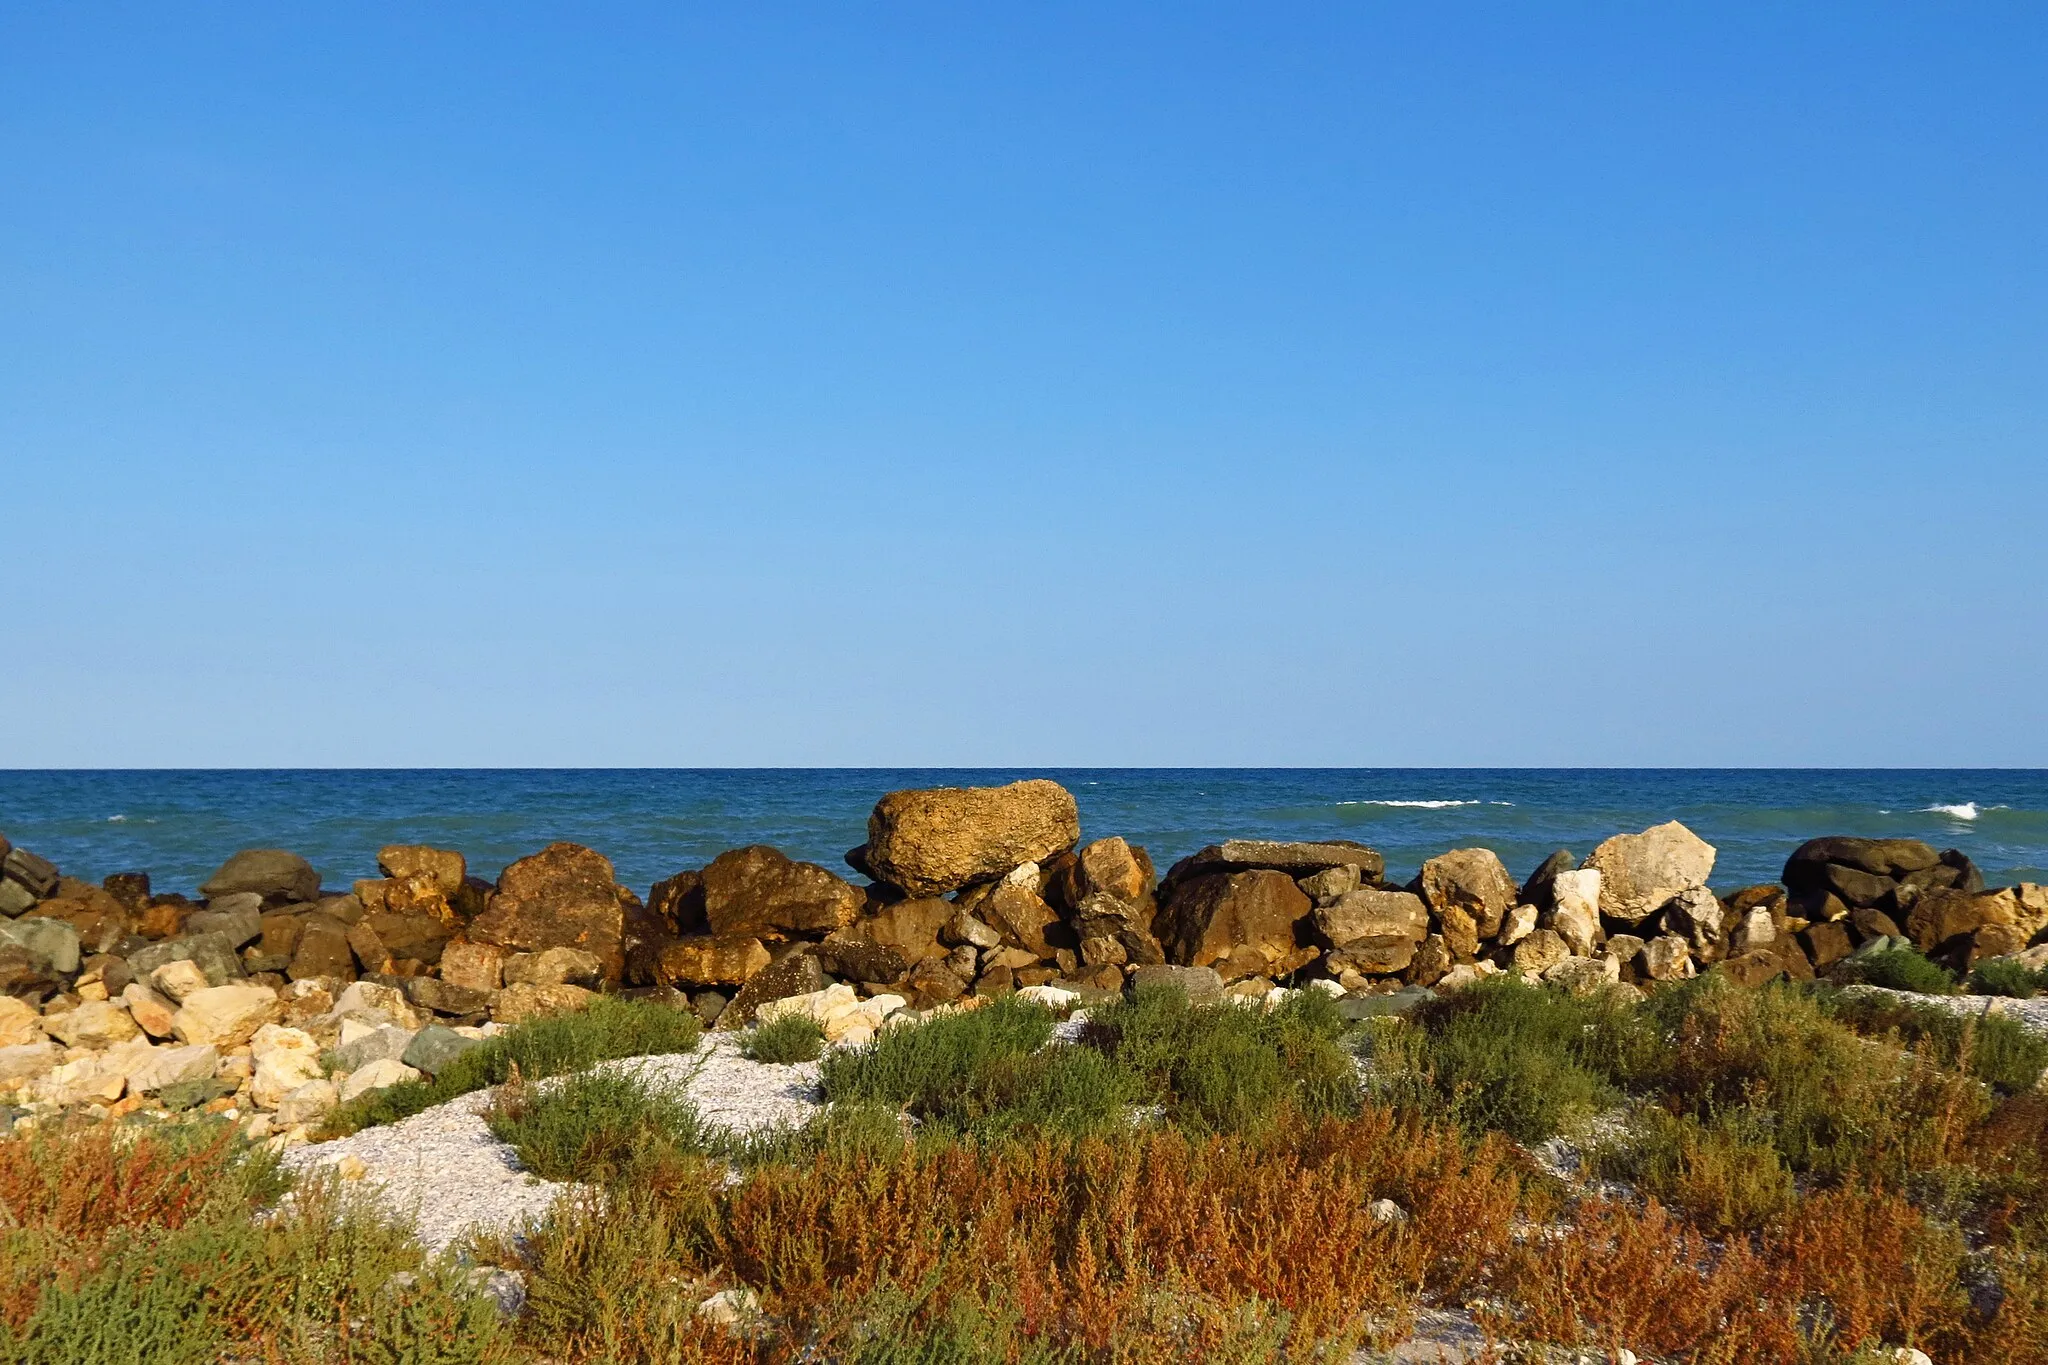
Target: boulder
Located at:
point(20, 1023)
point(1472, 880)
point(27, 975)
point(434, 1049)
point(408, 934)
point(271, 873)
point(1989, 940)
point(521, 1001)
point(443, 868)
point(1128, 924)
point(1374, 955)
point(1640, 873)
point(1201, 985)
point(1242, 924)
point(1299, 859)
point(285, 1059)
point(1667, 958)
point(1370, 913)
point(1694, 914)
point(176, 980)
point(1327, 885)
point(936, 840)
point(1575, 910)
point(376, 1075)
point(678, 903)
point(760, 892)
point(26, 1061)
point(51, 942)
point(307, 1104)
point(212, 954)
point(1942, 921)
point(1583, 975)
point(1108, 867)
point(15, 899)
point(32, 873)
point(562, 897)
point(374, 1044)
point(174, 1066)
point(322, 950)
point(1018, 914)
point(445, 997)
point(1538, 953)
point(94, 1024)
point(553, 967)
point(1887, 858)
point(152, 1012)
point(933, 981)
point(237, 924)
point(224, 1015)
point(473, 966)
point(1825, 944)
point(1519, 923)
point(796, 972)
point(1537, 890)
point(711, 960)
point(373, 1003)
point(129, 888)
point(1433, 960)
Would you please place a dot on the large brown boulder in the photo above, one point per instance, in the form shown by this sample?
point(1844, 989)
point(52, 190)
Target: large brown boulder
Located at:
point(1240, 923)
point(678, 902)
point(935, 840)
point(1472, 880)
point(1022, 917)
point(1370, 913)
point(711, 960)
point(884, 946)
point(445, 868)
point(758, 890)
point(1875, 857)
point(271, 873)
point(1107, 867)
point(1296, 858)
point(1944, 921)
point(564, 896)
point(1640, 873)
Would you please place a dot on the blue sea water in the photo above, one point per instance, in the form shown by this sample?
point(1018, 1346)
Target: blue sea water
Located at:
point(179, 825)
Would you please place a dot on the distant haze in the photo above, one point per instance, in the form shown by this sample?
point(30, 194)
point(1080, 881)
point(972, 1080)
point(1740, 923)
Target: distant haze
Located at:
point(1023, 385)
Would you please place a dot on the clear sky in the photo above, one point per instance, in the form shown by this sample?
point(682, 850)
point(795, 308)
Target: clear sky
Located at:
point(1023, 384)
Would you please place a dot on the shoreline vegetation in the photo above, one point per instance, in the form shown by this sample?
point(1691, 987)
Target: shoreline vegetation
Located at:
point(1271, 1105)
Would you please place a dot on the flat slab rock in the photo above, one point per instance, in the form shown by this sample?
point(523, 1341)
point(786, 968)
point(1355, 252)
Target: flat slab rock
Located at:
point(443, 1169)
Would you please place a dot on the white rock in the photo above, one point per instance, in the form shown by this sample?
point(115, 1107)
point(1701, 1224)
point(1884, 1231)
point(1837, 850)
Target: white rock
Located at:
point(1518, 924)
point(730, 1307)
point(169, 1065)
point(306, 1103)
point(286, 1058)
point(85, 1081)
point(1327, 987)
point(375, 1076)
point(225, 1015)
point(178, 979)
point(817, 1006)
point(1052, 997)
point(23, 1061)
point(95, 1024)
point(1640, 873)
point(353, 1029)
point(374, 1004)
point(1386, 1211)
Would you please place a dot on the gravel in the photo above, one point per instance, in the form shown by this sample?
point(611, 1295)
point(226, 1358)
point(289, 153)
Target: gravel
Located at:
point(2031, 1015)
point(444, 1170)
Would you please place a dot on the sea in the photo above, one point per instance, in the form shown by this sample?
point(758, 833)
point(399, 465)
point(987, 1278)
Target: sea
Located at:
point(179, 825)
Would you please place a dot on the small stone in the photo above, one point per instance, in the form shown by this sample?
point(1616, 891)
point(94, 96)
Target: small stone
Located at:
point(351, 1167)
point(1667, 958)
point(1384, 1211)
point(730, 1308)
point(376, 1076)
point(1517, 925)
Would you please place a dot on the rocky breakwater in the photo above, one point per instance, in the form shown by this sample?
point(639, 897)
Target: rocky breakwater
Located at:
point(271, 997)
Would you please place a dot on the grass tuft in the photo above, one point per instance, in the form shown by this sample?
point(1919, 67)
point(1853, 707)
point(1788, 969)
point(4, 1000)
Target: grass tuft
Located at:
point(2004, 976)
point(1899, 969)
point(792, 1038)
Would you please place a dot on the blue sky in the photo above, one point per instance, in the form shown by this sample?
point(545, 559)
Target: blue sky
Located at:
point(1051, 384)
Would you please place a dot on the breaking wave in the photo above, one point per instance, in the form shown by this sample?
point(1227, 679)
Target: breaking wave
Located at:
point(1962, 810)
point(1426, 805)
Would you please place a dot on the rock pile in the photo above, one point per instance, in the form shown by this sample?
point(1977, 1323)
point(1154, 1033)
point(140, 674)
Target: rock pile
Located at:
point(275, 997)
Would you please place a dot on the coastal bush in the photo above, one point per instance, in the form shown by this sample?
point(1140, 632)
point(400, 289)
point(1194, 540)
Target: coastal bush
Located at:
point(1990, 1047)
point(1229, 1068)
point(609, 1029)
point(181, 1242)
point(594, 1127)
point(1505, 1055)
point(1898, 969)
point(2004, 976)
point(792, 1038)
point(1723, 1173)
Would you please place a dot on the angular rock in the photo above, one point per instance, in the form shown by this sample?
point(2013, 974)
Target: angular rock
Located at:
point(1433, 960)
point(1667, 958)
point(434, 1049)
point(376, 1075)
point(15, 899)
point(381, 1043)
point(1128, 923)
point(1538, 953)
point(285, 1058)
point(1889, 858)
point(934, 981)
point(25, 1061)
point(553, 967)
point(271, 873)
point(711, 960)
point(213, 954)
point(1942, 921)
point(1240, 923)
point(1694, 914)
point(936, 840)
point(34, 874)
point(152, 1012)
point(374, 1003)
point(322, 951)
point(565, 896)
point(224, 1015)
point(445, 997)
point(1326, 886)
point(27, 975)
point(1201, 985)
point(1371, 913)
point(50, 941)
point(678, 902)
point(129, 888)
point(1990, 940)
point(94, 1024)
point(409, 934)
point(1583, 975)
point(176, 980)
point(1753, 968)
point(1640, 873)
point(1537, 890)
point(174, 1066)
point(307, 1104)
point(1107, 867)
point(797, 972)
point(237, 926)
point(473, 966)
point(20, 1024)
point(1518, 925)
point(1473, 880)
point(1373, 955)
point(1019, 915)
point(1298, 858)
point(1825, 944)
point(760, 892)
point(445, 868)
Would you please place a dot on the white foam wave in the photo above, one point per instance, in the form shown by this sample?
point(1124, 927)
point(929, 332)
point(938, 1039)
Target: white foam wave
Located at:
point(116, 819)
point(1426, 805)
point(1962, 810)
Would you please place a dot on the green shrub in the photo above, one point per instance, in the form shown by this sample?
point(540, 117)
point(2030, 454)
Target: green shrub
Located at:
point(1231, 1068)
point(1989, 1047)
point(609, 1029)
point(594, 1127)
point(1724, 1172)
point(792, 1038)
point(2004, 976)
point(1899, 969)
point(1524, 1059)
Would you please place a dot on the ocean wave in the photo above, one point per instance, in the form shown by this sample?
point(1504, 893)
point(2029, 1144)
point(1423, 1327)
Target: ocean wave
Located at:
point(116, 819)
point(1962, 810)
point(1426, 805)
